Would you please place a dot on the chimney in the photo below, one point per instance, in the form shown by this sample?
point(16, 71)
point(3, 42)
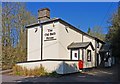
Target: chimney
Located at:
point(44, 14)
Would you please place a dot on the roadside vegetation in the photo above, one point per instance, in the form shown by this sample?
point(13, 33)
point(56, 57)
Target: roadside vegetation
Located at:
point(113, 36)
point(23, 71)
point(53, 74)
point(97, 31)
point(15, 17)
point(37, 71)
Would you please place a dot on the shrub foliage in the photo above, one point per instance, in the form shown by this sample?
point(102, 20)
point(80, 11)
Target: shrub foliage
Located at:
point(23, 71)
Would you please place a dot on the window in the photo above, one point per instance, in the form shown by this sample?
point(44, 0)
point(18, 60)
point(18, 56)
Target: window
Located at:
point(75, 55)
point(88, 55)
point(97, 44)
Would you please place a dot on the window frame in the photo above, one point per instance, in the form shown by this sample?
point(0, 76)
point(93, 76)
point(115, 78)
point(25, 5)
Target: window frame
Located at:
point(89, 58)
point(77, 51)
point(98, 45)
point(76, 54)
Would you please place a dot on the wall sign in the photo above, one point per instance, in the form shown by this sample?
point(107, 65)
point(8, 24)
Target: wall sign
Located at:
point(49, 35)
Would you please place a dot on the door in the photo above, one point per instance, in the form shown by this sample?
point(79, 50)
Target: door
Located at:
point(97, 59)
point(75, 54)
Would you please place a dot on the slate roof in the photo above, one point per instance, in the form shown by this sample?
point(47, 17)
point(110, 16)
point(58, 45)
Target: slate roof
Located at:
point(105, 48)
point(77, 45)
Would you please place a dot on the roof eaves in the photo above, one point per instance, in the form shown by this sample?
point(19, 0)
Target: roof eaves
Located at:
point(76, 45)
point(58, 19)
point(81, 31)
point(44, 22)
point(78, 30)
point(99, 40)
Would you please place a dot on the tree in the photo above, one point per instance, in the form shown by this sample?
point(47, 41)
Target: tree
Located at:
point(0, 35)
point(89, 30)
point(97, 32)
point(113, 35)
point(14, 18)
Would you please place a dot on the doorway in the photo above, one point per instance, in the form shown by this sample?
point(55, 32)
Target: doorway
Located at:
point(97, 59)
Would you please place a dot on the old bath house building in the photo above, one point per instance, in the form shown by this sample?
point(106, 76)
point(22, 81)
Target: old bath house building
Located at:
point(59, 46)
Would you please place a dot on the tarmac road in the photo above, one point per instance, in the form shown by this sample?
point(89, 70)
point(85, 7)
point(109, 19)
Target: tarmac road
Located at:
point(95, 75)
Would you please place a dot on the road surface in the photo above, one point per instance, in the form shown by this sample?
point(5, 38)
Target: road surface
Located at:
point(95, 75)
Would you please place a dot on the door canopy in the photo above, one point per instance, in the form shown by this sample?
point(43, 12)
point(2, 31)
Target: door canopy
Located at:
point(80, 45)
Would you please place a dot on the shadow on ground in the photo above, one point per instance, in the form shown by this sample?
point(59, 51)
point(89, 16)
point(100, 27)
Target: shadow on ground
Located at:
point(94, 75)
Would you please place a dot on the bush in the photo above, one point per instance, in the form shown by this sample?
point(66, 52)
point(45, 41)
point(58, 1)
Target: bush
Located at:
point(23, 71)
point(53, 74)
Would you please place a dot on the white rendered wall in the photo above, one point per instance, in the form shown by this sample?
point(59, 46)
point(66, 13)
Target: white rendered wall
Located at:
point(81, 57)
point(56, 49)
point(61, 67)
point(89, 64)
point(48, 65)
point(65, 39)
point(34, 43)
point(89, 39)
point(98, 49)
point(100, 45)
point(92, 40)
point(51, 48)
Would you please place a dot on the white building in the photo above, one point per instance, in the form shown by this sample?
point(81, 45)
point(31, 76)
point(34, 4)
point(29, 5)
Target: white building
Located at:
point(59, 46)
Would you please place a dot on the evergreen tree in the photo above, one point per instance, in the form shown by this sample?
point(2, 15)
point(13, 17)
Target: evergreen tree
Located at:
point(113, 35)
point(89, 30)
